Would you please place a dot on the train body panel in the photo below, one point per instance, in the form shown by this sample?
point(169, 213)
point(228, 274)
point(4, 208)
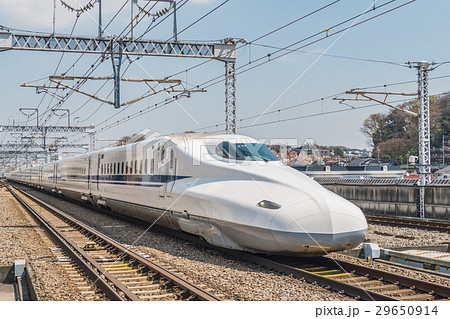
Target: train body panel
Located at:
point(228, 189)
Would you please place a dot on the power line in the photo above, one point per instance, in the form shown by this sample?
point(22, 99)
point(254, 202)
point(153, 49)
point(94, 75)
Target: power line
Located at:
point(323, 113)
point(198, 20)
point(337, 32)
point(266, 34)
point(270, 57)
point(94, 66)
point(278, 111)
point(331, 55)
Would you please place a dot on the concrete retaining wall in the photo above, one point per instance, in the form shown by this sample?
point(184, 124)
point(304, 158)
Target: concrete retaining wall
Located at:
point(395, 200)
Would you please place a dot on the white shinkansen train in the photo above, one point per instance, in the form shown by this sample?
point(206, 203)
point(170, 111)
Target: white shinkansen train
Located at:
point(229, 189)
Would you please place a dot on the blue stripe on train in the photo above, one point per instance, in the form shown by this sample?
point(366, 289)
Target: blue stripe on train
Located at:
point(135, 180)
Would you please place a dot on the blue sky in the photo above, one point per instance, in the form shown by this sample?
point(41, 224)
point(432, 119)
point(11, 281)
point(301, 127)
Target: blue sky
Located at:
point(415, 32)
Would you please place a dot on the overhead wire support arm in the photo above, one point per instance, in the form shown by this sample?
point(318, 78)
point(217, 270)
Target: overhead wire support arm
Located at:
point(153, 90)
point(368, 98)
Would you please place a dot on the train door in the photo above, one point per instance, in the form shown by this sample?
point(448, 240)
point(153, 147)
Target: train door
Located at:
point(162, 168)
point(167, 169)
point(172, 169)
point(90, 172)
point(100, 157)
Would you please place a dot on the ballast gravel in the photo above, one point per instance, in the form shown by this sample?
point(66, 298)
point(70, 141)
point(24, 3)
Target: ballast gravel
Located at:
point(22, 238)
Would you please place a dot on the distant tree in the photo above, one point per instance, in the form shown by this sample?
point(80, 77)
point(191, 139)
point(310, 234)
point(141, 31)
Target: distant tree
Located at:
point(394, 148)
point(338, 151)
point(375, 127)
point(396, 134)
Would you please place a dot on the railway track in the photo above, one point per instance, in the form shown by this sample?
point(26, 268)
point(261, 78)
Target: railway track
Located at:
point(118, 272)
point(441, 226)
point(360, 282)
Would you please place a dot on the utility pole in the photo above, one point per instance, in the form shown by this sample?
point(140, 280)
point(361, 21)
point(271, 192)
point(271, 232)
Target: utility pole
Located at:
point(133, 2)
point(423, 68)
point(54, 17)
point(100, 30)
point(230, 96)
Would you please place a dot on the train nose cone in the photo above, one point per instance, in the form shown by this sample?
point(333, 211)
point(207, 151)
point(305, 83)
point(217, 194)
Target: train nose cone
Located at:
point(318, 226)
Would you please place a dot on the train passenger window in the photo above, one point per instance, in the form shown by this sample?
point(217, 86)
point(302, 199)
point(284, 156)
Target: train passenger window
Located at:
point(245, 151)
point(114, 168)
point(127, 168)
point(145, 166)
point(140, 167)
point(171, 158)
point(122, 172)
point(152, 166)
point(135, 166)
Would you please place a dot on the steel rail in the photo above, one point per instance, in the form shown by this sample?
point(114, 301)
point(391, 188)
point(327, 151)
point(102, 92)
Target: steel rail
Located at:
point(196, 292)
point(440, 290)
point(349, 289)
point(442, 226)
point(66, 244)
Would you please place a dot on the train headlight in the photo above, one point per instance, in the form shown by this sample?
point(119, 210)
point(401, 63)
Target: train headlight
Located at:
point(268, 204)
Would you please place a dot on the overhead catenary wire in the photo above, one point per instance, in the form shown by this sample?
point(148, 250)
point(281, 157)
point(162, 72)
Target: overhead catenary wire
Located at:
point(332, 55)
point(269, 57)
point(88, 72)
point(296, 20)
point(322, 113)
point(198, 20)
point(382, 5)
point(266, 34)
point(337, 32)
point(321, 99)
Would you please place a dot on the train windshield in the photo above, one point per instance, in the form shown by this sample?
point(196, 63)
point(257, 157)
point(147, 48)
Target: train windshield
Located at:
point(245, 151)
